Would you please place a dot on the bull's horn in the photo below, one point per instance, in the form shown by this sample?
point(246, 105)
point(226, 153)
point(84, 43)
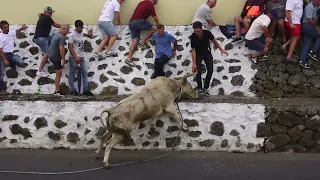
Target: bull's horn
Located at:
point(188, 75)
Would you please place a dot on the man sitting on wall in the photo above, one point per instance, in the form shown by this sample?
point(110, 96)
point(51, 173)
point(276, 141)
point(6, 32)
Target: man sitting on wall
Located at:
point(110, 9)
point(139, 22)
point(200, 44)
point(163, 50)
point(42, 37)
point(6, 51)
point(258, 38)
point(251, 10)
point(204, 14)
point(310, 31)
point(56, 54)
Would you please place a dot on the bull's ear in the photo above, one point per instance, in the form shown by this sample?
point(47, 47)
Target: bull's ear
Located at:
point(188, 75)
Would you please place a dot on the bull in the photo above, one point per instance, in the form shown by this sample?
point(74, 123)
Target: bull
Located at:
point(154, 99)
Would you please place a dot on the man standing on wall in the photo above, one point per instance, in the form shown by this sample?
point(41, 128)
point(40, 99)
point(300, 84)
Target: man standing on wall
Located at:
point(310, 31)
point(139, 22)
point(110, 9)
point(204, 14)
point(200, 45)
point(6, 51)
point(163, 50)
point(258, 38)
point(75, 46)
point(56, 54)
point(294, 11)
point(42, 37)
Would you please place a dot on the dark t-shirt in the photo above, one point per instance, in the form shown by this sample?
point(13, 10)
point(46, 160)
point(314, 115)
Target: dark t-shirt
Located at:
point(143, 11)
point(43, 26)
point(202, 45)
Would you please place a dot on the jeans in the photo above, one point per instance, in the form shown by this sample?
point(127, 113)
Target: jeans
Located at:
point(159, 65)
point(310, 33)
point(208, 59)
point(15, 59)
point(2, 74)
point(107, 28)
point(43, 43)
point(73, 67)
point(136, 26)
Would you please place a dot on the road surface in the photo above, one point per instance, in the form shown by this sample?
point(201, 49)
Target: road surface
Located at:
point(176, 166)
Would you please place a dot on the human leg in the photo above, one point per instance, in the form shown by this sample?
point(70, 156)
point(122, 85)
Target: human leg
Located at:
point(72, 72)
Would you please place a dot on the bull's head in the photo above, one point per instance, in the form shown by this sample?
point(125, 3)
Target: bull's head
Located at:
point(186, 86)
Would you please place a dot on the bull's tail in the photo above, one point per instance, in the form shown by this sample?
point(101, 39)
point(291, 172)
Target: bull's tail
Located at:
point(101, 120)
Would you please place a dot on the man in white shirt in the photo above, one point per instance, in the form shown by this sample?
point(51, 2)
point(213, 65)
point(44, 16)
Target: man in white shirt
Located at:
point(258, 37)
point(6, 51)
point(294, 11)
point(76, 59)
point(204, 14)
point(110, 10)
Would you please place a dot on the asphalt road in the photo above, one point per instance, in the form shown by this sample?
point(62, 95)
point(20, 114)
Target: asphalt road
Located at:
point(176, 166)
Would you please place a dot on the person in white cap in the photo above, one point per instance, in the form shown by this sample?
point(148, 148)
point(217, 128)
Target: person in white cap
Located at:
point(42, 37)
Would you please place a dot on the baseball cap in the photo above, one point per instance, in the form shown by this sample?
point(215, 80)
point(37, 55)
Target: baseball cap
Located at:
point(274, 13)
point(48, 9)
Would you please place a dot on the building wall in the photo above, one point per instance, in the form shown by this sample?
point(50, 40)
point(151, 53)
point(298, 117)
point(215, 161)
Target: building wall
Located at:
point(177, 12)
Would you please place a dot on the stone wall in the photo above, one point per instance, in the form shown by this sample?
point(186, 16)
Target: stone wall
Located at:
point(232, 74)
point(76, 125)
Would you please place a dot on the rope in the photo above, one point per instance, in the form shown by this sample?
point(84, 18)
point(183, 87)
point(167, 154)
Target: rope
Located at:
point(98, 168)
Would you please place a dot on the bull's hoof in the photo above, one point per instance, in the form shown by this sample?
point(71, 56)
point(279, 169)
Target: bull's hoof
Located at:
point(97, 155)
point(106, 166)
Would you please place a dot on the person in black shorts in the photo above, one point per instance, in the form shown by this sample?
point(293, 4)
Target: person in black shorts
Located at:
point(200, 44)
point(56, 54)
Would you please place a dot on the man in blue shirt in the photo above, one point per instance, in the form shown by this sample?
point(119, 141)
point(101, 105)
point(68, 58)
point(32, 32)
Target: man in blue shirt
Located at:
point(310, 32)
point(164, 52)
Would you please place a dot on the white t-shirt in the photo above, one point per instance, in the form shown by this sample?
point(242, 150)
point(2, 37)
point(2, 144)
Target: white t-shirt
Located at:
point(76, 39)
point(256, 30)
point(296, 8)
point(203, 14)
point(108, 10)
point(7, 41)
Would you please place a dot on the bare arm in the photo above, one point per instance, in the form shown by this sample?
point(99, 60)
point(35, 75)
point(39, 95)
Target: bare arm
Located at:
point(215, 42)
point(288, 15)
point(62, 52)
point(117, 14)
point(23, 27)
point(156, 19)
point(313, 22)
point(211, 22)
point(175, 45)
point(193, 54)
point(70, 47)
point(56, 25)
point(266, 31)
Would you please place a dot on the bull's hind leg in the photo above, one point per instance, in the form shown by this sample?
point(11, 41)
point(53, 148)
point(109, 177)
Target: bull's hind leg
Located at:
point(170, 110)
point(105, 138)
point(116, 139)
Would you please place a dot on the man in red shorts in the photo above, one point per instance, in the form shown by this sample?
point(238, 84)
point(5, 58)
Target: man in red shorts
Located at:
point(294, 11)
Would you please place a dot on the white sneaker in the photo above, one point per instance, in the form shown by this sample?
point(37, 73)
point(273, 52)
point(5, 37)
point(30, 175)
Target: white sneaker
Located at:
point(111, 54)
point(42, 74)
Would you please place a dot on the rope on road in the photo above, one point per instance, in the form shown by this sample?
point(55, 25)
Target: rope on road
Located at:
point(98, 168)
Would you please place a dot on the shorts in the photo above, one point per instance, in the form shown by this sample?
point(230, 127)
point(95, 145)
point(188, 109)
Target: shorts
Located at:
point(257, 44)
point(43, 43)
point(293, 32)
point(56, 63)
point(107, 28)
point(136, 26)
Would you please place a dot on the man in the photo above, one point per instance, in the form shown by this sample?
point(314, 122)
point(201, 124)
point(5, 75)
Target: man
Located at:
point(280, 5)
point(310, 32)
point(251, 10)
point(294, 11)
point(258, 38)
point(6, 51)
point(110, 9)
point(200, 44)
point(164, 53)
point(139, 22)
point(56, 54)
point(76, 58)
point(42, 37)
point(204, 14)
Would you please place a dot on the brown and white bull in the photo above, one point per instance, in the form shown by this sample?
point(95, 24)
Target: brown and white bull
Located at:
point(156, 98)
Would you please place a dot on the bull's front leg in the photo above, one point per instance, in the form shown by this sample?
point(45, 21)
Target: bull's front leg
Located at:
point(105, 138)
point(170, 110)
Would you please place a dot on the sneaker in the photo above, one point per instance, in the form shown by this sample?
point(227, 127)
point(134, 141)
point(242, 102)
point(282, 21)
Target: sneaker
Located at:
point(263, 58)
point(74, 93)
point(88, 93)
point(57, 93)
point(206, 92)
point(130, 63)
point(305, 65)
point(199, 90)
point(235, 39)
point(4, 93)
point(252, 59)
point(142, 44)
point(313, 55)
point(111, 54)
point(42, 74)
point(98, 55)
